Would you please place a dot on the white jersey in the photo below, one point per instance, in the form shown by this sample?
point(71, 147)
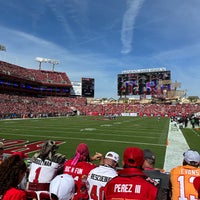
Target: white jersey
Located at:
point(42, 172)
point(97, 179)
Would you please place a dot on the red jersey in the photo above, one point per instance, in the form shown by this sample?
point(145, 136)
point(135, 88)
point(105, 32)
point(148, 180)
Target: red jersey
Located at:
point(80, 173)
point(131, 183)
point(14, 194)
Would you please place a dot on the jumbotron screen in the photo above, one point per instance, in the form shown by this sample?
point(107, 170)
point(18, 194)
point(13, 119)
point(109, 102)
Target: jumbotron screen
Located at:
point(87, 87)
point(144, 82)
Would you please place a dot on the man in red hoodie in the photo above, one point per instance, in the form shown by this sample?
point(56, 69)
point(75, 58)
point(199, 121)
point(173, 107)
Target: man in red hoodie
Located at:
point(131, 183)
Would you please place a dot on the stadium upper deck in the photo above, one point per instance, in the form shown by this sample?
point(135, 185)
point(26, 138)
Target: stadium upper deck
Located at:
point(43, 76)
point(36, 82)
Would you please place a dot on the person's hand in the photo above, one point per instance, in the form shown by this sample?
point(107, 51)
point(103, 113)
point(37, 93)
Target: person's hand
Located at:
point(97, 156)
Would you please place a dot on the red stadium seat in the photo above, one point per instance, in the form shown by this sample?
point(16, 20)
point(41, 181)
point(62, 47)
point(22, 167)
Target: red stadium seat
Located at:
point(44, 196)
point(37, 195)
point(31, 195)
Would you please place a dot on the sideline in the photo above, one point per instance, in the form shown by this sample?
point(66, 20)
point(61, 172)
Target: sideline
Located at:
point(176, 146)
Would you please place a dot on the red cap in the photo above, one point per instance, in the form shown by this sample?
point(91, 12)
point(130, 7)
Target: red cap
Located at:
point(196, 184)
point(22, 155)
point(133, 156)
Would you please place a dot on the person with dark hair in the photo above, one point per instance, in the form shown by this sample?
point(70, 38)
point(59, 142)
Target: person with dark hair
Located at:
point(79, 167)
point(24, 181)
point(182, 176)
point(131, 182)
point(12, 171)
point(164, 188)
point(1, 152)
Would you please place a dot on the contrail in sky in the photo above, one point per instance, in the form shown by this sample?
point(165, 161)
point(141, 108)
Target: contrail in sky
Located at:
point(128, 24)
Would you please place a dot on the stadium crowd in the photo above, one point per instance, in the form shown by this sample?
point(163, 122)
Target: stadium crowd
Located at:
point(17, 102)
point(16, 106)
point(51, 176)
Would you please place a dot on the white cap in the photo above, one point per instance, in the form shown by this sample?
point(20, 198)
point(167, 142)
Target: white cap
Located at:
point(113, 156)
point(191, 156)
point(62, 186)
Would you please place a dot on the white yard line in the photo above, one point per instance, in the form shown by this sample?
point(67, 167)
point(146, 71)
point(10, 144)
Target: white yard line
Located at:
point(87, 139)
point(176, 146)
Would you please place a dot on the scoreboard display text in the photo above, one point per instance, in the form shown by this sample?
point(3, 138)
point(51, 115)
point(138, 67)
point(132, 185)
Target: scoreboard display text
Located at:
point(147, 83)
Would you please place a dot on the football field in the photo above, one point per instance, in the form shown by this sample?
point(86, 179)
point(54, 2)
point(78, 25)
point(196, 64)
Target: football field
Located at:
point(100, 133)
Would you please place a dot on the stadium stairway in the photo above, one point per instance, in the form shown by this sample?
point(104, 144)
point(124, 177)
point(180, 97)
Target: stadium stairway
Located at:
point(176, 146)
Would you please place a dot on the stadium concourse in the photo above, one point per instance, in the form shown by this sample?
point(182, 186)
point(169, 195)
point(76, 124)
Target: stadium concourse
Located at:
point(176, 146)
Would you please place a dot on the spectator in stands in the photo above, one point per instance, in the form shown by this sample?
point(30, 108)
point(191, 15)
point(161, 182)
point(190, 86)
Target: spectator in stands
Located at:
point(12, 171)
point(1, 152)
point(131, 183)
point(23, 183)
point(99, 176)
point(62, 187)
point(196, 184)
point(50, 164)
point(79, 168)
point(182, 176)
point(164, 188)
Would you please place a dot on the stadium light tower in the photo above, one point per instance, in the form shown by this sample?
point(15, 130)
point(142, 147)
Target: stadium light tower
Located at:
point(40, 60)
point(46, 60)
point(54, 62)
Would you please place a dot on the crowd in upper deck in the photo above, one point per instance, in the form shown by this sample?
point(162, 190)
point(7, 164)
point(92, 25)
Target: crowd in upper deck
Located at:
point(43, 76)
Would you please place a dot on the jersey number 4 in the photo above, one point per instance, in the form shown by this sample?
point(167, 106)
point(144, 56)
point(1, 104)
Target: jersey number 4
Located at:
point(93, 193)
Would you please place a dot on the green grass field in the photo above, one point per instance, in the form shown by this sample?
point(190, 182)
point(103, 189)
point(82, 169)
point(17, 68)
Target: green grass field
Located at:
point(101, 135)
point(192, 137)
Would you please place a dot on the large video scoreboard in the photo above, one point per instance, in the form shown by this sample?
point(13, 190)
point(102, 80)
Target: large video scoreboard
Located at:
point(87, 87)
point(144, 82)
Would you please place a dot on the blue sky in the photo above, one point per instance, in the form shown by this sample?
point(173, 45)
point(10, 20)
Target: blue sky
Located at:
point(102, 38)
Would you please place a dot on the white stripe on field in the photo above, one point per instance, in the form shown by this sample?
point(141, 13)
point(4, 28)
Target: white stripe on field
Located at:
point(177, 145)
point(88, 139)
